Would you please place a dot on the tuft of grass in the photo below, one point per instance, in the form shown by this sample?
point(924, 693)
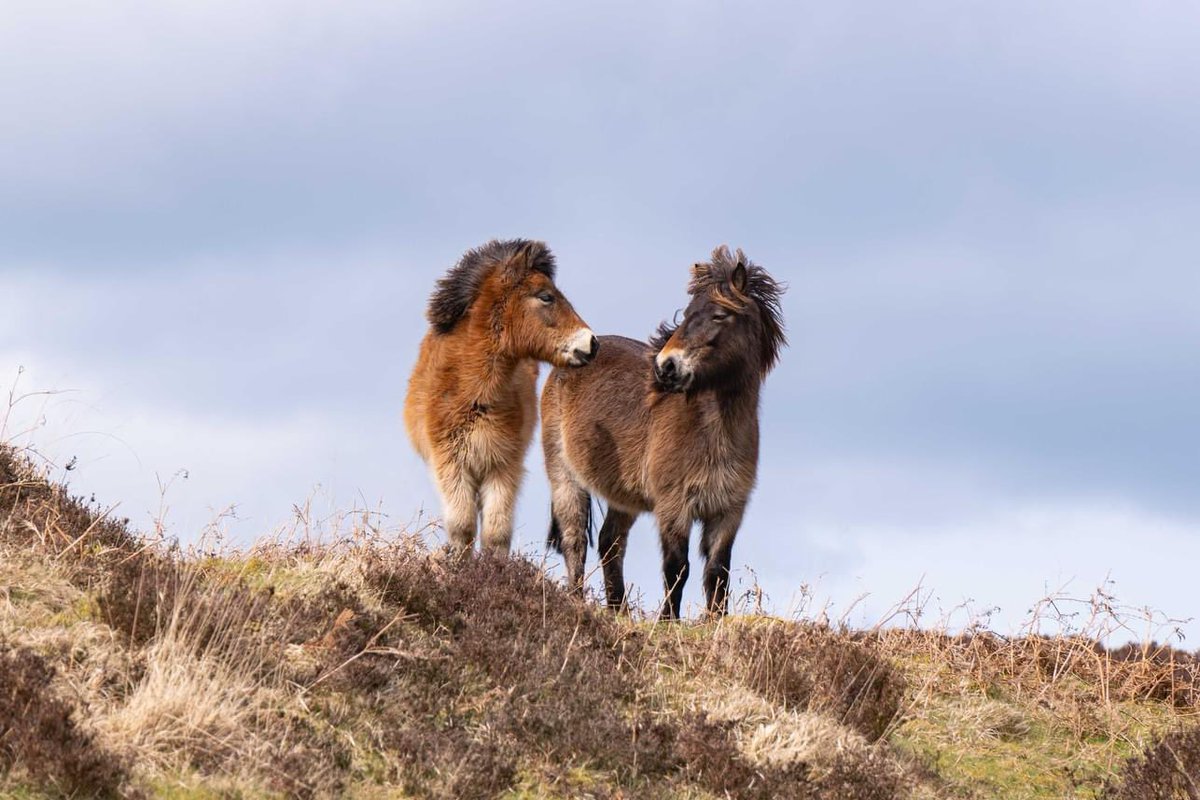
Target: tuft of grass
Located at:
point(817, 669)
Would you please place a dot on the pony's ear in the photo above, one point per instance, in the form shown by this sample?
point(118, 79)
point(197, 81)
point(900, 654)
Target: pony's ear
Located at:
point(527, 255)
point(531, 257)
point(737, 278)
point(520, 262)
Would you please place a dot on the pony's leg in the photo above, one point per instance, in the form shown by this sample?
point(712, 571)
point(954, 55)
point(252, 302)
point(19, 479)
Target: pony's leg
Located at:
point(570, 504)
point(571, 511)
point(614, 534)
point(716, 545)
point(499, 499)
point(459, 506)
point(673, 535)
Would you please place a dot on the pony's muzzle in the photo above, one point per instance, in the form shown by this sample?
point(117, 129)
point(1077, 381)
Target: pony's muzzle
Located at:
point(672, 372)
point(582, 348)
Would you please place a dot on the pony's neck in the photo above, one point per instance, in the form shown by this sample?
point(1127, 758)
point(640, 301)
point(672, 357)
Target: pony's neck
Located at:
point(489, 370)
point(737, 404)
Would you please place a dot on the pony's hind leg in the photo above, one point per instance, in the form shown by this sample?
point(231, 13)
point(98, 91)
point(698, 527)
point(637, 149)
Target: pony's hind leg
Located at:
point(459, 505)
point(614, 534)
point(716, 546)
point(570, 504)
point(570, 521)
point(499, 497)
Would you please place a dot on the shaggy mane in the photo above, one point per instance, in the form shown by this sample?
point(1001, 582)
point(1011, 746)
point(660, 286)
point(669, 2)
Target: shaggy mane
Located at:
point(457, 290)
point(659, 340)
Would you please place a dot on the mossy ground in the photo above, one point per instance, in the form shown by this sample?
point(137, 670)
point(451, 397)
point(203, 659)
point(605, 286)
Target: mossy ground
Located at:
point(1046, 759)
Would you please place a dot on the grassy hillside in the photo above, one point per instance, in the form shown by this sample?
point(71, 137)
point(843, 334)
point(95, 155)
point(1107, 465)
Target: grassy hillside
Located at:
point(369, 666)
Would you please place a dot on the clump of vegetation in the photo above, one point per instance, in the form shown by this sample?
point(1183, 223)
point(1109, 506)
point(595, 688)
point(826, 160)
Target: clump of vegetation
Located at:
point(1168, 770)
point(355, 660)
point(40, 737)
point(817, 669)
point(534, 680)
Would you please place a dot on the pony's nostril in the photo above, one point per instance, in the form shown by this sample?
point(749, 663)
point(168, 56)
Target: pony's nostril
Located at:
point(595, 347)
point(667, 369)
point(582, 347)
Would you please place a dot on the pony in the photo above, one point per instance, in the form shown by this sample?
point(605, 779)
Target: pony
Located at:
point(669, 427)
point(471, 404)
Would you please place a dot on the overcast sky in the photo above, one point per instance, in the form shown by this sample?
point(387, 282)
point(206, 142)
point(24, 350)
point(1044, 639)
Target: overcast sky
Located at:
point(220, 221)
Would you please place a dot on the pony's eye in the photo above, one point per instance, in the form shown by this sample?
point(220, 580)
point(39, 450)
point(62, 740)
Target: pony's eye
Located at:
point(546, 297)
point(720, 316)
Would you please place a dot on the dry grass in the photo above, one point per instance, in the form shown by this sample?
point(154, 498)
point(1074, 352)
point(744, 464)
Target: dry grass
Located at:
point(341, 658)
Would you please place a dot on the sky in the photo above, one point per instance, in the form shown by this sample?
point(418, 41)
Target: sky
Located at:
point(220, 222)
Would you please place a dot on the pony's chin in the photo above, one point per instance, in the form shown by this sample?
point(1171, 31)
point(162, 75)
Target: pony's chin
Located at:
point(674, 387)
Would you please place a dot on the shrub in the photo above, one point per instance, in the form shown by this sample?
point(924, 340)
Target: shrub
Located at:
point(34, 510)
point(139, 596)
point(38, 732)
point(1167, 770)
point(711, 758)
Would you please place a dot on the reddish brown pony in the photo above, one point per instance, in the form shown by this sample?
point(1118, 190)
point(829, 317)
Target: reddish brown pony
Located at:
point(472, 397)
point(669, 427)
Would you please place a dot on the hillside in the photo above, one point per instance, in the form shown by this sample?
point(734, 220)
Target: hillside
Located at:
point(361, 663)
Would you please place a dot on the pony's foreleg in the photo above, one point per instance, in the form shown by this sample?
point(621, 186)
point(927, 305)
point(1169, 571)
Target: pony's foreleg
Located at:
point(614, 534)
point(716, 545)
point(459, 507)
point(673, 535)
point(499, 498)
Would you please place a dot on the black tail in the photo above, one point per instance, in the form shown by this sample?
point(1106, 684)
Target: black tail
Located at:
point(554, 537)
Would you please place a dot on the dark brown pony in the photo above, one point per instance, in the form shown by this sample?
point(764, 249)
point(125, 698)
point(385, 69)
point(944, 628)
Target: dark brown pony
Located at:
point(472, 397)
point(669, 427)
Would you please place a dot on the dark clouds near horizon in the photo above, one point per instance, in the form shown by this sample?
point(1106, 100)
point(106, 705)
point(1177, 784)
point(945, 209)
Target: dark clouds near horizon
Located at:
point(219, 218)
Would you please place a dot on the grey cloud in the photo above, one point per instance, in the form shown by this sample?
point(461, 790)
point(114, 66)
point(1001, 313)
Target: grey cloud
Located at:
point(812, 124)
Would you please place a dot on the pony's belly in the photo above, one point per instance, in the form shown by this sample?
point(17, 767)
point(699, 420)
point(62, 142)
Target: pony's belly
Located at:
point(601, 477)
point(619, 497)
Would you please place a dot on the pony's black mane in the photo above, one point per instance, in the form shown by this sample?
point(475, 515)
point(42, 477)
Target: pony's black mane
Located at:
point(760, 287)
point(664, 332)
point(457, 290)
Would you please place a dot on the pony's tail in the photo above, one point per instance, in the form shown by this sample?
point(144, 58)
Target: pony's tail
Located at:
point(554, 539)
